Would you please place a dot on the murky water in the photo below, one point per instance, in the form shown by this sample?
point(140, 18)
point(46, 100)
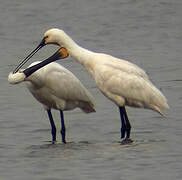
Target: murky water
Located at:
point(147, 33)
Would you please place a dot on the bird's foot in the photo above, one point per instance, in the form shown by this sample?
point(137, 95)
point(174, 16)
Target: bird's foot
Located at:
point(64, 141)
point(126, 141)
point(53, 142)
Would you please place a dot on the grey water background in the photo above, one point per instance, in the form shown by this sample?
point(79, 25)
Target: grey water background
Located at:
point(145, 32)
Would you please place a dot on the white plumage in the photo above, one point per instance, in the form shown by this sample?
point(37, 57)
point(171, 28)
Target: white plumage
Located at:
point(125, 83)
point(56, 87)
point(122, 82)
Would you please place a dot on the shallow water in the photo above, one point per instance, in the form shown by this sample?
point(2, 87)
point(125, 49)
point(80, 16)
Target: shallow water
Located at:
point(147, 33)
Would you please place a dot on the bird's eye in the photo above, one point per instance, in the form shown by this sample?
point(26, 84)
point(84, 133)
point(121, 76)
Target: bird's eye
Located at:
point(46, 37)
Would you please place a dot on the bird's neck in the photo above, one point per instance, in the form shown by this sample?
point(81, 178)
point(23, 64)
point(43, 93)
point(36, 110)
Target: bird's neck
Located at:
point(80, 54)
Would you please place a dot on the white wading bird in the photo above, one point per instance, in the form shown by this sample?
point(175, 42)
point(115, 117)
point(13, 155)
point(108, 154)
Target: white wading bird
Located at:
point(55, 87)
point(122, 82)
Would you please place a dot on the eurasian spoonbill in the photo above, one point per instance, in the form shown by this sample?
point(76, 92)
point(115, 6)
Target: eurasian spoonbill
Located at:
point(55, 87)
point(121, 81)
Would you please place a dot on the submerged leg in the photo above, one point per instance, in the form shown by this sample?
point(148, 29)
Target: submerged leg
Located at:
point(63, 129)
point(53, 127)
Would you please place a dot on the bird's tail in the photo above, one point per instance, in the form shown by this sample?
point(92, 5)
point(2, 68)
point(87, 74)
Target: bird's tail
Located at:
point(159, 102)
point(161, 109)
point(87, 107)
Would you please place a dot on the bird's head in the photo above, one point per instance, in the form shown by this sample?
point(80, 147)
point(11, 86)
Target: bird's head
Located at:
point(53, 36)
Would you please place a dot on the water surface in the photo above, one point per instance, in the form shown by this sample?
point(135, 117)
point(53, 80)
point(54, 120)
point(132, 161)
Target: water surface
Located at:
point(147, 33)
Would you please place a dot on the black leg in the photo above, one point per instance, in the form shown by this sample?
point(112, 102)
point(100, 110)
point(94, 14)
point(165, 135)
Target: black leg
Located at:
point(127, 122)
point(63, 129)
point(123, 125)
point(53, 131)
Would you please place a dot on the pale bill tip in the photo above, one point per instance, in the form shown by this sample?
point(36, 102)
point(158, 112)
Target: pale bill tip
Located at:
point(16, 77)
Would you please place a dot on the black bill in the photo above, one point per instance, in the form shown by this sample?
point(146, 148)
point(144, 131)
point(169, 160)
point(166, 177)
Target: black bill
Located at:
point(42, 43)
point(60, 54)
